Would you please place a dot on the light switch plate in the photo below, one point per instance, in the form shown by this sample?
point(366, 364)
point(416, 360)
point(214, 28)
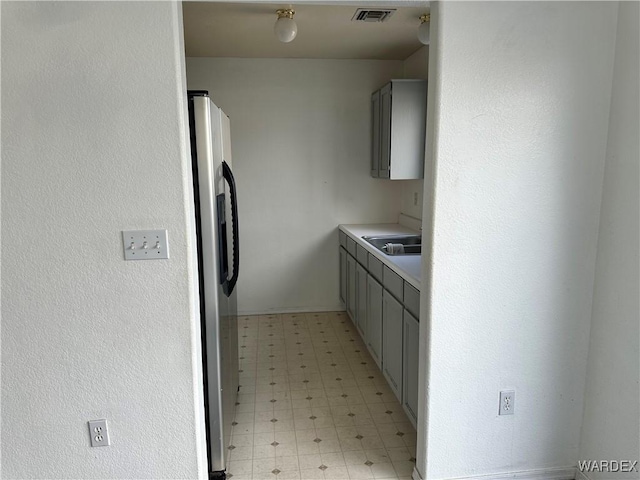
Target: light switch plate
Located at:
point(99, 433)
point(145, 244)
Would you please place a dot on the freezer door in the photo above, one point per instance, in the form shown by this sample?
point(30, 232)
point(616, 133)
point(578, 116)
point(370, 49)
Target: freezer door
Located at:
point(218, 317)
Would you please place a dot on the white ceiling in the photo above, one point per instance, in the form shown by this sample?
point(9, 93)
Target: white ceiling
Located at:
point(324, 31)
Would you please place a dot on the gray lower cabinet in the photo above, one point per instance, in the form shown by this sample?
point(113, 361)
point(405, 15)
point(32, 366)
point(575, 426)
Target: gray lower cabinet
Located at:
point(387, 325)
point(373, 338)
point(351, 287)
point(392, 342)
point(343, 275)
point(361, 300)
point(410, 353)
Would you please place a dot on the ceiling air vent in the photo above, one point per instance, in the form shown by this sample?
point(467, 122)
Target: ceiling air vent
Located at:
point(372, 15)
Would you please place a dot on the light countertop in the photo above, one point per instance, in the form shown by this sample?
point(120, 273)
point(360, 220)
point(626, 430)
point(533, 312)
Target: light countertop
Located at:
point(407, 266)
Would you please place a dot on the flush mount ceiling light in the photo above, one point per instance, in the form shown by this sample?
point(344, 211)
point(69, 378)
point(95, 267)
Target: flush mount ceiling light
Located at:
point(423, 29)
point(285, 27)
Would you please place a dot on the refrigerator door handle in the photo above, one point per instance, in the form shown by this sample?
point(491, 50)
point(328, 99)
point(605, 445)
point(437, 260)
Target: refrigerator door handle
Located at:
point(230, 284)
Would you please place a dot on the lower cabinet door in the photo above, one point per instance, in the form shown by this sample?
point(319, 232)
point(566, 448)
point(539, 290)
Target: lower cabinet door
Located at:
point(392, 324)
point(343, 276)
point(361, 300)
point(351, 287)
point(410, 353)
point(374, 319)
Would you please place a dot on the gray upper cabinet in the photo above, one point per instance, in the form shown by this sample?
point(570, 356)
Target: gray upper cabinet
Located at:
point(399, 111)
point(392, 323)
point(351, 287)
point(361, 299)
point(410, 353)
point(373, 337)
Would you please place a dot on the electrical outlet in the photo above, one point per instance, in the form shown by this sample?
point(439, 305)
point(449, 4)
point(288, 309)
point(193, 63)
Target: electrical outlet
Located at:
point(99, 433)
point(507, 402)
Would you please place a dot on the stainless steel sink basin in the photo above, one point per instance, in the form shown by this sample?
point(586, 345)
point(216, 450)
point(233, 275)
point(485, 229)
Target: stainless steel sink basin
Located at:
point(389, 244)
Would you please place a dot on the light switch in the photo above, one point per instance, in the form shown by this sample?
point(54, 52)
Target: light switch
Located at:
point(145, 244)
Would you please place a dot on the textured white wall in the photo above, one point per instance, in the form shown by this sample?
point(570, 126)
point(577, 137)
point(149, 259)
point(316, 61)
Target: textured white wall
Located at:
point(521, 111)
point(300, 134)
point(93, 142)
point(610, 428)
point(416, 66)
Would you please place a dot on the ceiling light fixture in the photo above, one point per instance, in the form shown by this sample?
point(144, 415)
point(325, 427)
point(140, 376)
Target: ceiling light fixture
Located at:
point(424, 29)
point(285, 27)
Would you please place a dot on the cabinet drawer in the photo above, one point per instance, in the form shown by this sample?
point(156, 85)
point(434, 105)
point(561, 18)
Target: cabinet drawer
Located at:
point(375, 268)
point(361, 255)
point(351, 247)
point(392, 282)
point(412, 300)
point(343, 238)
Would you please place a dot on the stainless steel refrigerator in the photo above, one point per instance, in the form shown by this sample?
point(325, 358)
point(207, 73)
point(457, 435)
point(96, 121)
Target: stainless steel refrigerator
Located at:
point(216, 208)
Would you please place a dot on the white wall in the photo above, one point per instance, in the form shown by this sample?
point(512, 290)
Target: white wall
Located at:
point(610, 430)
point(416, 66)
point(93, 142)
point(521, 116)
point(301, 148)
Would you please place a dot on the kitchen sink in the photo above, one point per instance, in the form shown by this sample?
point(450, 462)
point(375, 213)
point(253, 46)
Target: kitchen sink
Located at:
point(396, 244)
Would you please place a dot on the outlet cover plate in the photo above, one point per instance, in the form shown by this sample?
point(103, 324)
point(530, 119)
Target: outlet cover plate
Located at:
point(99, 433)
point(507, 402)
point(157, 244)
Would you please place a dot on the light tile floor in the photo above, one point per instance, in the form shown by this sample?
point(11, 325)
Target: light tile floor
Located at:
point(314, 405)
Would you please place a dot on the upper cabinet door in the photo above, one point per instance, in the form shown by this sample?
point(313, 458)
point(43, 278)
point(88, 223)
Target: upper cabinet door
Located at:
point(399, 141)
point(385, 131)
point(408, 129)
point(375, 134)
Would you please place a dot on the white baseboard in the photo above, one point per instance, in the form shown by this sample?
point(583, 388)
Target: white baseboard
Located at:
point(563, 473)
point(274, 311)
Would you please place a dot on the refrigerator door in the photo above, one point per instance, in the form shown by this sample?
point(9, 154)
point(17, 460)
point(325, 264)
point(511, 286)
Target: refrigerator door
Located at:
point(230, 370)
point(230, 255)
point(218, 310)
point(229, 211)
